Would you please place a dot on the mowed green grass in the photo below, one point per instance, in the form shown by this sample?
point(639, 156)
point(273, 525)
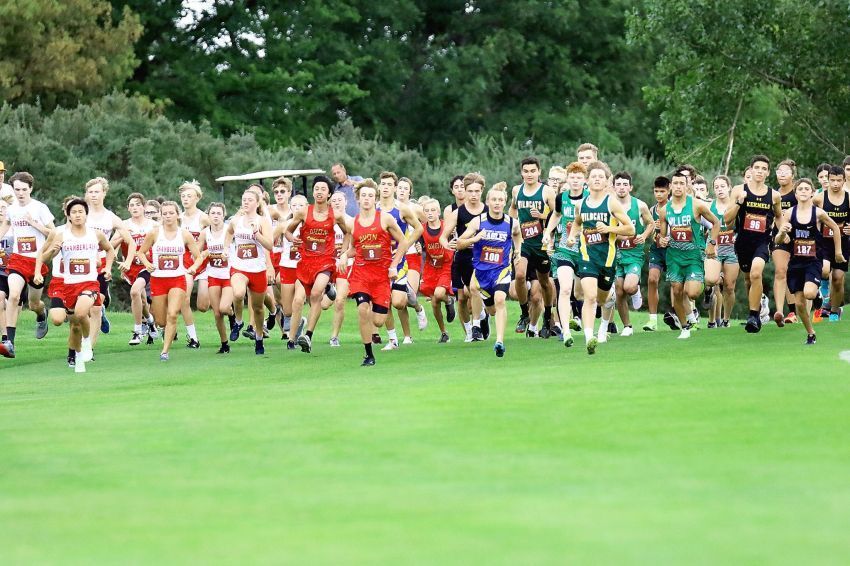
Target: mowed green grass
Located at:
point(724, 448)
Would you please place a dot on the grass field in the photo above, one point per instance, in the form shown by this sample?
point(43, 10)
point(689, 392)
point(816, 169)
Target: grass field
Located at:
point(724, 448)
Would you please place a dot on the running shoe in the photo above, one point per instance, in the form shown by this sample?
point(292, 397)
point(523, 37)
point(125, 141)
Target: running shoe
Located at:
point(104, 322)
point(499, 348)
point(301, 326)
point(7, 349)
point(591, 346)
point(522, 324)
point(485, 326)
point(477, 335)
point(163, 357)
point(421, 319)
point(290, 345)
point(764, 309)
point(271, 320)
point(80, 366)
point(376, 338)
point(612, 328)
point(334, 342)
point(545, 331)
point(779, 319)
point(711, 324)
point(685, 334)
point(153, 333)
point(224, 349)
point(259, 349)
point(791, 318)
point(407, 340)
point(444, 338)
point(671, 320)
point(752, 326)
point(557, 332)
point(135, 339)
point(330, 291)
point(450, 311)
point(72, 360)
point(529, 333)
point(724, 323)
point(637, 300)
point(651, 325)
point(392, 344)
point(811, 339)
point(575, 324)
point(568, 340)
point(367, 361)
point(835, 316)
point(249, 333)
point(192, 343)
point(236, 330)
point(305, 343)
point(41, 328)
point(817, 317)
point(627, 331)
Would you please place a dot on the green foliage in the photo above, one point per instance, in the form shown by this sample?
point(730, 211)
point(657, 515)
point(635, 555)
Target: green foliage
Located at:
point(773, 59)
point(64, 52)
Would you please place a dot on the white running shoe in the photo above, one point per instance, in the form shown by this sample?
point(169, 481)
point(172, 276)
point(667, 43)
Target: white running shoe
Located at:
point(685, 334)
point(86, 352)
point(392, 344)
point(422, 319)
point(627, 331)
point(334, 342)
point(407, 340)
point(602, 334)
point(764, 309)
point(80, 366)
point(637, 300)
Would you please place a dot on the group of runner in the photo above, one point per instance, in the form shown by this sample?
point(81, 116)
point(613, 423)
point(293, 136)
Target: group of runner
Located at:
point(570, 250)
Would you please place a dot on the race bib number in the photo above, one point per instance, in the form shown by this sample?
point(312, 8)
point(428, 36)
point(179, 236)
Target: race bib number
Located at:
point(218, 260)
point(531, 229)
point(435, 261)
point(294, 254)
point(827, 231)
point(168, 262)
point(371, 253)
point(26, 245)
point(491, 255)
point(316, 246)
point(247, 251)
point(804, 248)
point(681, 234)
point(594, 238)
point(726, 238)
point(196, 235)
point(755, 222)
point(626, 243)
point(78, 266)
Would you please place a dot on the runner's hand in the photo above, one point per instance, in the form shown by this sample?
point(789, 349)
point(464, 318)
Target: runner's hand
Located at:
point(839, 257)
point(639, 239)
point(124, 265)
point(663, 241)
point(393, 273)
point(602, 228)
point(38, 279)
point(270, 276)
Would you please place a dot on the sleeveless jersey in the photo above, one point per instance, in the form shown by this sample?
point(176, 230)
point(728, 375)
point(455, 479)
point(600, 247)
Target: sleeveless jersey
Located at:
point(218, 265)
point(57, 268)
point(566, 205)
point(755, 216)
point(249, 254)
point(317, 236)
point(840, 213)
point(79, 256)
point(685, 230)
point(464, 217)
point(436, 256)
point(602, 247)
point(493, 251)
point(726, 238)
point(26, 240)
point(103, 222)
point(138, 233)
point(339, 239)
point(804, 236)
point(627, 246)
point(192, 224)
point(167, 255)
point(289, 254)
point(372, 244)
point(531, 228)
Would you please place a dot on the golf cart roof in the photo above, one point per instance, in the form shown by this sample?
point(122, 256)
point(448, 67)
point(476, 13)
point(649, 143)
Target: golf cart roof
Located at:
point(270, 174)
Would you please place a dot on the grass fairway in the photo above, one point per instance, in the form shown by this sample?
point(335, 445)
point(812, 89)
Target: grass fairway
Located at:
point(724, 448)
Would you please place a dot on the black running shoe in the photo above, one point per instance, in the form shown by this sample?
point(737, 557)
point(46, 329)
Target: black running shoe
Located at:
point(249, 333)
point(752, 325)
point(259, 349)
point(612, 328)
point(236, 330)
point(368, 361)
point(444, 338)
point(811, 339)
point(499, 348)
point(485, 326)
point(192, 343)
point(450, 311)
point(225, 349)
point(477, 335)
point(330, 291)
point(671, 320)
point(545, 331)
point(522, 324)
point(270, 320)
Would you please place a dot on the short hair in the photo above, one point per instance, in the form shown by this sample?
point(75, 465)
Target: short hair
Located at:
point(700, 179)
point(217, 205)
point(587, 147)
point(298, 198)
point(472, 178)
point(576, 167)
point(192, 185)
point(74, 202)
point(692, 171)
point(165, 203)
point(623, 175)
point(531, 160)
point(804, 180)
point(98, 181)
point(340, 164)
point(367, 183)
point(454, 180)
point(154, 203)
point(323, 179)
point(836, 170)
point(846, 161)
point(426, 201)
point(759, 157)
point(661, 182)
point(388, 175)
point(23, 177)
point(823, 167)
point(790, 163)
point(409, 182)
point(285, 181)
point(136, 196)
point(723, 178)
point(558, 170)
point(599, 165)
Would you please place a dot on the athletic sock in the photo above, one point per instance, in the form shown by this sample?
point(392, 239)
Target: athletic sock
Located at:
point(523, 307)
point(190, 330)
point(754, 313)
point(10, 332)
point(309, 334)
point(40, 317)
point(224, 343)
point(532, 327)
point(547, 315)
point(368, 347)
point(476, 323)
point(692, 318)
point(72, 353)
point(467, 327)
point(150, 319)
point(588, 333)
point(653, 317)
point(137, 328)
point(792, 307)
point(391, 334)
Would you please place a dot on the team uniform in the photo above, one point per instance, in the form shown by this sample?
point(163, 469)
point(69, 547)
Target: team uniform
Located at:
point(565, 255)
point(193, 225)
point(218, 264)
point(137, 268)
point(786, 201)
point(841, 215)
point(400, 283)
point(462, 261)
point(103, 223)
point(249, 257)
point(369, 279)
point(686, 250)
point(630, 256)
point(339, 239)
point(290, 255)
point(725, 239)
point(170, 272)
point(598, 251)
point(754, 220)
point(318, 252)
point(657, 254)
point(491, 256)
point(81, 264)
point(438, 263)
point(26, 240)
point(56, 287)
point(532, 228)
